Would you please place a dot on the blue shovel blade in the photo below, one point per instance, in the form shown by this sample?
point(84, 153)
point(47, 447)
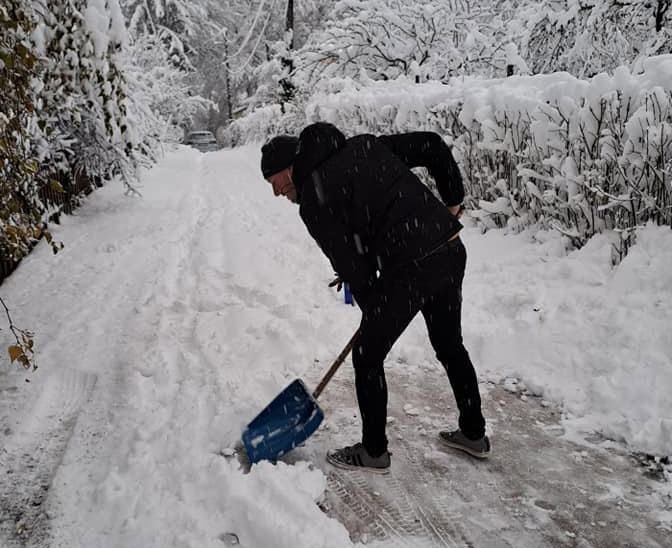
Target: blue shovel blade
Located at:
point(286, 422)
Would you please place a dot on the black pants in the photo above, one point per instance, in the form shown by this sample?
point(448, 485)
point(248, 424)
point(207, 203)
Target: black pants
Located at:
point(432, 286)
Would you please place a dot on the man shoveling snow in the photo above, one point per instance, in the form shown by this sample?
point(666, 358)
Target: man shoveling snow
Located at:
point(398, 248)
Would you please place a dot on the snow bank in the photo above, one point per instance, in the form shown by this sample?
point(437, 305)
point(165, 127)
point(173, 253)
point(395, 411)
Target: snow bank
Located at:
point(589, 337)
point(191, 307)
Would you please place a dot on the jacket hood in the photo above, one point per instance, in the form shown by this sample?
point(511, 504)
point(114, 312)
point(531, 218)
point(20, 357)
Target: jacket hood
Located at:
point(317, 143)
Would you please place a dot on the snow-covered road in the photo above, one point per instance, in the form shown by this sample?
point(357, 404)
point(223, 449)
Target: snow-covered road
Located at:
point(168, 321)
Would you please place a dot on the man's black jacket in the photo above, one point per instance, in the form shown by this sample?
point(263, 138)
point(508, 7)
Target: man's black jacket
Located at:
point(364, 206)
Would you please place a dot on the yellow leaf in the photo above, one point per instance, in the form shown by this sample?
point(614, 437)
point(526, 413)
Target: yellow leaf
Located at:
point(56, 186)
point(31, 166)
point(15, 352)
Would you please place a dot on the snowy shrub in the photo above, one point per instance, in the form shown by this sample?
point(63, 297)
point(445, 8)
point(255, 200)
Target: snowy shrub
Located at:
point(389, 38)
point(63, 122)
point(265, 122)
point(589, 37)
point(22, 175)
point(20, 171)
point(581, 156)
point(82, 93)
point(66, 124)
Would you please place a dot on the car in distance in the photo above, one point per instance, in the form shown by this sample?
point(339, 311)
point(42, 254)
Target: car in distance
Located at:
point(202, 140)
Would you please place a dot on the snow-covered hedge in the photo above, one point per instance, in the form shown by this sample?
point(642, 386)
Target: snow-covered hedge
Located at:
point(579, 155)
point(264, 122)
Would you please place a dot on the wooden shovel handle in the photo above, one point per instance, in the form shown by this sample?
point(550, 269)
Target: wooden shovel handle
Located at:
point(334, 367)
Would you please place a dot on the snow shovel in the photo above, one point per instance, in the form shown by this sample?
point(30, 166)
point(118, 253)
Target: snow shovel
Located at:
point(290, 418)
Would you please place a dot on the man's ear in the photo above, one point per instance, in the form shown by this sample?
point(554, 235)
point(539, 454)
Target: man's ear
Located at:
point(291, 171)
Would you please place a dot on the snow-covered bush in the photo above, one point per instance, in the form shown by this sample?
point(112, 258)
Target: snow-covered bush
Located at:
point(581, 156)
point(82, 92)
point(423, 39)
point(586, 37)
point(64, 119)
point(265, 122)
point(21, 175)
point(20, 221)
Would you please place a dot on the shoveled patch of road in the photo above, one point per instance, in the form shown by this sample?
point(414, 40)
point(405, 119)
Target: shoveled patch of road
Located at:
point(537, 489)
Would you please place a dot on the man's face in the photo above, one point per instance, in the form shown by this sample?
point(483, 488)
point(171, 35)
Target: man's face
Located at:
point(283, 184)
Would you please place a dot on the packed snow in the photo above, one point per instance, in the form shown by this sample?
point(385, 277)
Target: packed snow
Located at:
point(169, 321)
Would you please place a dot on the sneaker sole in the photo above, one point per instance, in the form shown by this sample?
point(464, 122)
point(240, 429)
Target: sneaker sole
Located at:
point(475, 454)
point(344, 466)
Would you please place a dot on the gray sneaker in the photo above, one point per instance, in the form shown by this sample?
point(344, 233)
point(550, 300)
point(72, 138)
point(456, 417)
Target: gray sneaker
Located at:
point(355, 457)
point(479, 448)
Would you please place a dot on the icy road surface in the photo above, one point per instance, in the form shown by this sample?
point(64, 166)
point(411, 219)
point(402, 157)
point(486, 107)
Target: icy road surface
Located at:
point(169, 321)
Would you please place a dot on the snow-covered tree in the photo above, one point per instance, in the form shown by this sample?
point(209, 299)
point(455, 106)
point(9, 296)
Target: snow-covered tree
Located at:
point(83, 96)
point(213, 77)
point(422, 40)
point(178, 24)
point(585, 37)
point(161, 104)
point(261, 53)
point(194, 36)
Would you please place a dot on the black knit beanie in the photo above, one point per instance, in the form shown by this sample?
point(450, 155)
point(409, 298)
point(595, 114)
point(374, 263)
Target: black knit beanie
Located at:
point(278, 154)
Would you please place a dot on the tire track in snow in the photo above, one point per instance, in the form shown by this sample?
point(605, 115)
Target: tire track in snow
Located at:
point(85, 467)
point(178, 388)
point(32, 451)
point(536, 489)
